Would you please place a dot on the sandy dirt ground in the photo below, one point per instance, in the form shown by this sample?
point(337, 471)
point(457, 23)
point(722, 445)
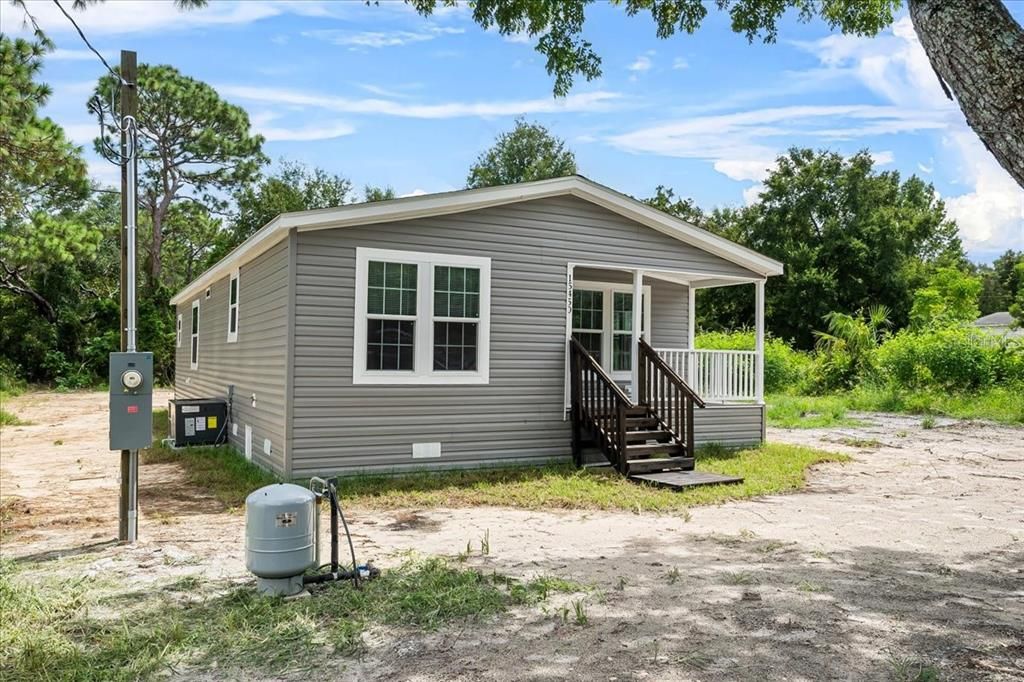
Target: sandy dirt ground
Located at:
point(914, 551)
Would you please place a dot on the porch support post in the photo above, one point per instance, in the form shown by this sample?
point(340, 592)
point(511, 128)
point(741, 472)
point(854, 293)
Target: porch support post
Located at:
point(759, 339)
point(638, 293)
point(691, 316)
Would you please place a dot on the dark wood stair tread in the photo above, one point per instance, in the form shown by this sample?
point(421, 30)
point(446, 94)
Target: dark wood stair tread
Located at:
point(643, 466)
point(638, 451)
point(642, 436)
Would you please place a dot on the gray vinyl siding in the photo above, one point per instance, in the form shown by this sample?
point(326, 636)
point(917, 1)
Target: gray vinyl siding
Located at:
point(255, 364)
point(519, 416)
point(729, 425)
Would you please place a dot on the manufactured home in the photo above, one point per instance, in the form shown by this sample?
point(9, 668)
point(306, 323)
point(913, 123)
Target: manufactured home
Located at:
point(507, 325)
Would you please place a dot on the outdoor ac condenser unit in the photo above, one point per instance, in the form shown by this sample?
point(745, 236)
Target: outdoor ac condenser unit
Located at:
point(198, 421)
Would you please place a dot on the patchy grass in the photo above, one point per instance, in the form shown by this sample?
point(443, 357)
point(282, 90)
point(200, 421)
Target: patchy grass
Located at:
point(768, 469)
point(10, 419)
point(221, 470)
point(1004, 404)
point(60, 630)
point(808, 412)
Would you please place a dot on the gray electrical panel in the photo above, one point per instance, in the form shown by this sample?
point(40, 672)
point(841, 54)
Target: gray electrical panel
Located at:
point(131, 401)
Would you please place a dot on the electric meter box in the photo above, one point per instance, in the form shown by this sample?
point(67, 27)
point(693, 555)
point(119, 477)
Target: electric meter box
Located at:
point(198, 421)
point(131, 401)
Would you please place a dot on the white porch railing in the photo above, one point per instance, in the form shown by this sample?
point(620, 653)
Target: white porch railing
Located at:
point(716, 375)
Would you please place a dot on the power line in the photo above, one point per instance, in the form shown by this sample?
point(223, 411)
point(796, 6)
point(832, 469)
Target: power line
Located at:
point(88, 44)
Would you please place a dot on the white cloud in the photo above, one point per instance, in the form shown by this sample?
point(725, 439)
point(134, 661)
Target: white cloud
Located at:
point(883, 158)
point(752, 194)
point(379, 39)
point(895, 67)
point(415, 193)
point(738, 169)
point(324, 131)
point(141, 16)
point(991, 217)
point(82, 133)
point(75, 55)
point(104, 173)
point(591, 101)
point(680, 63)
point(641, 64)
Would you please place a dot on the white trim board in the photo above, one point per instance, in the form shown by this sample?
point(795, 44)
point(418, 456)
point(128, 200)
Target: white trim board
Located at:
point(427, 205)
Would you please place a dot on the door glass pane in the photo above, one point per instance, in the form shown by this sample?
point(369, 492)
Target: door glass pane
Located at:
point(622, 314)
point(591, 341)
point(622, 352)
point(587, 309)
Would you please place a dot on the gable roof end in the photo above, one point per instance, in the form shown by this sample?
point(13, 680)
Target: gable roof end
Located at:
point(426, 205)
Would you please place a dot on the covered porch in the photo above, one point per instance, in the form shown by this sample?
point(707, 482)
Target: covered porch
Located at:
point(602, 318)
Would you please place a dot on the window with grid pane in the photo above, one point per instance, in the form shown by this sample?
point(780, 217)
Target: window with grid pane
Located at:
point(588, 320)
point(456, 315)
point(391, 308)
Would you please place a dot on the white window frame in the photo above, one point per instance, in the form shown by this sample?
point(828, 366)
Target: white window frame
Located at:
point(193, 340)
point(233, 335)
point(608, 290)
point(177, 336)
point(423, 372)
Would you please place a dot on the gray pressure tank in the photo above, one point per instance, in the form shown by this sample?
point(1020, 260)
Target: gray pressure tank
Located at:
point(280, 537)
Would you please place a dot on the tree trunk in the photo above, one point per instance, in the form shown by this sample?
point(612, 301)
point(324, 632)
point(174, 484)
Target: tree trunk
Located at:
point(977, 50)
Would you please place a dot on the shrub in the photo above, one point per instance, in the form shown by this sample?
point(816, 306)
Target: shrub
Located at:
point(952, 357)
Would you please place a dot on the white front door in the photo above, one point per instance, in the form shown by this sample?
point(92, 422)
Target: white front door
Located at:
point(602, 321)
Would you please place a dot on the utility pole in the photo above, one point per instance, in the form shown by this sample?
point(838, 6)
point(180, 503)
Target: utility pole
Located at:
point(128, 507)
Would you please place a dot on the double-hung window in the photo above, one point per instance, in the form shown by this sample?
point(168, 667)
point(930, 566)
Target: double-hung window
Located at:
point(421, 318)
point(194, 347)
point(233, 307)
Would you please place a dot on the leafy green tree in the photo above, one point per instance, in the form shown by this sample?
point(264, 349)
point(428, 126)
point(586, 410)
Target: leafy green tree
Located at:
point(951, 296)
point(293, 187)
point(975, 46)
point(42, 181)
point(850, 238)
point(527, 152)
point(371, 193)
point(193, 146)
point(1017, 307)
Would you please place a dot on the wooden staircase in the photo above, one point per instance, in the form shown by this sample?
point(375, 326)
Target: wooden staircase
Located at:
point(655, 435)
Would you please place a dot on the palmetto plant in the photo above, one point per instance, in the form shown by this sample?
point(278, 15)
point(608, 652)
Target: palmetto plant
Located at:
point(847, 348)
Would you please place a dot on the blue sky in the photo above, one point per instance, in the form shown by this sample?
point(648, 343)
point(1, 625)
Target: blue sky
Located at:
point(386, 97)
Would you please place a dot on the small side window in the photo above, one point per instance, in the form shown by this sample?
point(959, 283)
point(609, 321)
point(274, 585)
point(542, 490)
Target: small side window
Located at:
point(233, 308)
point(177, 336)
point(194, 350)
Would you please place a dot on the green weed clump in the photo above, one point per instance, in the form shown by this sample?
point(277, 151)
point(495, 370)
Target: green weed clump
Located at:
point(80, 630)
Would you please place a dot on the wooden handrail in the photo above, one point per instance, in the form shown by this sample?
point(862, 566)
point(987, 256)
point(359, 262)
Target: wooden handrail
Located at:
point(596, 366)
point(648, 353)
point(598, 403)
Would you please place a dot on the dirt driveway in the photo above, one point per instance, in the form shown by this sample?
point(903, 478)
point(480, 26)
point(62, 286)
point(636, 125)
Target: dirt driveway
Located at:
point(909, 557)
